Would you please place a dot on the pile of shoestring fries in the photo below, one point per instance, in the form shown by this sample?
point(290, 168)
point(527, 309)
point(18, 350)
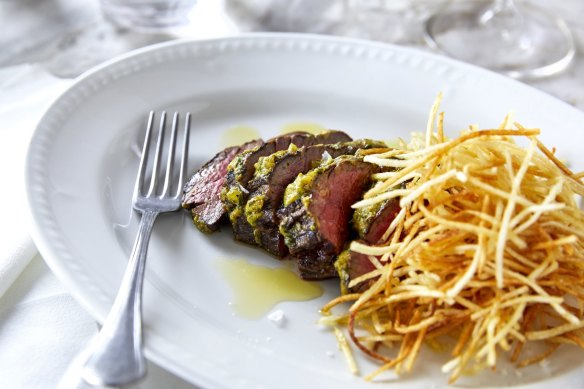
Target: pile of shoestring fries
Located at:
point(485, 257)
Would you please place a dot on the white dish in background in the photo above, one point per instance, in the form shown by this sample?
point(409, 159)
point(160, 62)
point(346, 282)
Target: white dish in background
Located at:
point(82, 162)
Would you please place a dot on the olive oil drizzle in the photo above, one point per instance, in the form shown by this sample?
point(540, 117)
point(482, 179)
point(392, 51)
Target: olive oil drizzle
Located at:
point(238, 135)
point(257, 289)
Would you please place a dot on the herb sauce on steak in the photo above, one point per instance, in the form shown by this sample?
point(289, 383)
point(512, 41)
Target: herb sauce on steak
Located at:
point(201, 194)
point(317, 210)
point(241, 170)
point(272, 176)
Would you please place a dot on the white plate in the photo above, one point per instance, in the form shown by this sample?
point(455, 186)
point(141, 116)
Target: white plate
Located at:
point(83, 158)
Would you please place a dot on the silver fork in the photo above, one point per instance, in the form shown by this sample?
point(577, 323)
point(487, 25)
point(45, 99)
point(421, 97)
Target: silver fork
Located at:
point(115, 357)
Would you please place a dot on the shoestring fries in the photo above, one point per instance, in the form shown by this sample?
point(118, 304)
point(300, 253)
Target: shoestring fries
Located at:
point(488, 249)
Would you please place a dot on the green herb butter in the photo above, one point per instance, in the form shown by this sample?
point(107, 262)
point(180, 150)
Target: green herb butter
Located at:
point(253, 209)
point(342, 267)
point(232, 195)
point(234, 215)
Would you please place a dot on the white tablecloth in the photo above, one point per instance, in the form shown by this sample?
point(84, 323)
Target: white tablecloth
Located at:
point(42, 327)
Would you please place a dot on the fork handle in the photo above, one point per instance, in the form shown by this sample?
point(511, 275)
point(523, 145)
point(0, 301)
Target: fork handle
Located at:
point(116, 356)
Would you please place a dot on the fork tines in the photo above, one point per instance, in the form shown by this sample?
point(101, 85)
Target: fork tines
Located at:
point(153, 170)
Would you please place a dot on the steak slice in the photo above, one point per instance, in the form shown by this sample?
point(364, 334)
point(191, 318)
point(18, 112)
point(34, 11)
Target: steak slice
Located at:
point(350, 265)
point(272, 176)
point(201, 194)
point(317, 210)
point(241, 170)
point(372, 221)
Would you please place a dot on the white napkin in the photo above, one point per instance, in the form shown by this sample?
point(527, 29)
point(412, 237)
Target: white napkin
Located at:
point(43, 328)
point(21, 106)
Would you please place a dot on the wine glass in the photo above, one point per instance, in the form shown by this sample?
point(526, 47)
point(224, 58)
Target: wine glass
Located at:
point(519, 40)
point(113, 27)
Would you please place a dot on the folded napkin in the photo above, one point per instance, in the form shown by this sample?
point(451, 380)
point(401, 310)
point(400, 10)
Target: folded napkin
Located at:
point(15, 257)
point(43, 327)
point(25, 93)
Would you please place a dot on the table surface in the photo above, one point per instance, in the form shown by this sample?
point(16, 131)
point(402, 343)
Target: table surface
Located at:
point(46, 43)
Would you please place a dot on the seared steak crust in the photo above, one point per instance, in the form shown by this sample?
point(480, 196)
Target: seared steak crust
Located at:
point(241, 170)
point(272, 176)
point(201, 194)
point(350, 265)
point(316, 213)
point(371, 222)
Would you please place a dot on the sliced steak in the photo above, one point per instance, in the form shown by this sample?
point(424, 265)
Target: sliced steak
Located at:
point(372, 221)
point(272, 176)
point(317, 210)
point(241, 170)
point(350, 265)
point(201, 194)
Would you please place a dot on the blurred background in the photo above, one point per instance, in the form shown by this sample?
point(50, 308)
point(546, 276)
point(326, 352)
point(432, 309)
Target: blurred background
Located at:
point(66, 37)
